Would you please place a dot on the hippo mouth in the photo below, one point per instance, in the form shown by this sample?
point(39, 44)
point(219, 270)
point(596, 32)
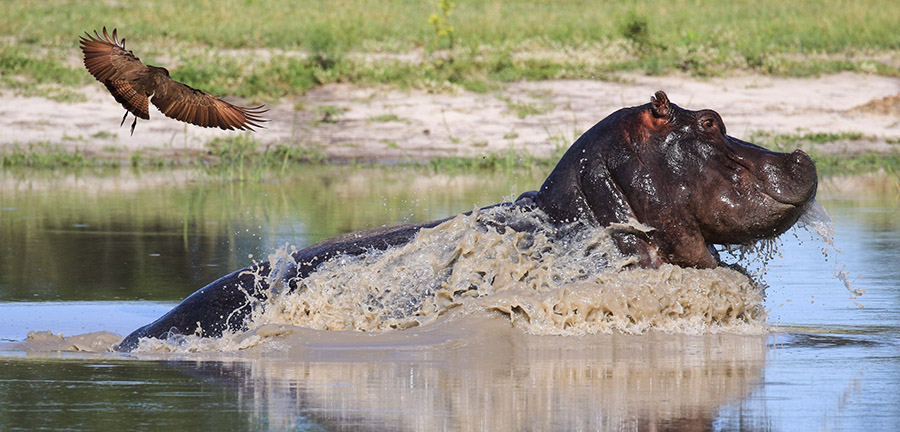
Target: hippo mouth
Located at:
point(775, 203)
point(776, 214)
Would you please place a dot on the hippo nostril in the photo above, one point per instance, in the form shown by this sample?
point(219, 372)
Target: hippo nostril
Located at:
point(800, 157)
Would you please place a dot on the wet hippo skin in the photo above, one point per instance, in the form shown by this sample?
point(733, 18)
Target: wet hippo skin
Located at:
point(678, 172)
point(673, 173)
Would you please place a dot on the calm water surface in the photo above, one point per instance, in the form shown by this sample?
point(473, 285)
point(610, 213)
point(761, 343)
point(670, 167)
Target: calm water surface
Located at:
point(84, 252)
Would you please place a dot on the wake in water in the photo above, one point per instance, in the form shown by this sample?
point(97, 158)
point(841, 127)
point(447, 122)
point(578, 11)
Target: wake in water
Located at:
point(508, 262)
point(514, 265)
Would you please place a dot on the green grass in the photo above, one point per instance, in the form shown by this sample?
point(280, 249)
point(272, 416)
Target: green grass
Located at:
point(384, 118)
point(474, 45)
point(236, 157)
point(789, 142)
point(831, 163)
point(103, 135)
point(751, 27)
point(525, 109)
point(39, 75)
point(242, 157)
point(329, 114)
point(43, 155)
point(856, 164)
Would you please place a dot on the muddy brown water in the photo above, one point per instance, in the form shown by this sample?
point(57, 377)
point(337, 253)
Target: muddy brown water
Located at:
point(86, 257)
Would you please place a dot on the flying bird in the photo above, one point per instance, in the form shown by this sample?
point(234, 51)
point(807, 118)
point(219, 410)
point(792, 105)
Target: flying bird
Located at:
point(133, 84)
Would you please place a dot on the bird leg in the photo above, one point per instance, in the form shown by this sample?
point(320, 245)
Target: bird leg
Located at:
point(133, 125)
point(123, 119)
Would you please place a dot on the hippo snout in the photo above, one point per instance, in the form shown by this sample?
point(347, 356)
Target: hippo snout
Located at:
point(796, 182)
point(800, 157)
point(803, 162)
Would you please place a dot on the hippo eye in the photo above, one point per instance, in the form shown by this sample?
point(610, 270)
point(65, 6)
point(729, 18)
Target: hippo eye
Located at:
point(708, 123)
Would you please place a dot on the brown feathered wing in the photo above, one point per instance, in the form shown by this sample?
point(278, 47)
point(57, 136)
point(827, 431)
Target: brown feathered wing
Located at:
point(107, 60)
point(132, 83)
point(185, 103)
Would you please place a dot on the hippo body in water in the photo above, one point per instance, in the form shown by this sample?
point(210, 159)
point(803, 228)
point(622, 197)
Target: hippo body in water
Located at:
point(674, 171)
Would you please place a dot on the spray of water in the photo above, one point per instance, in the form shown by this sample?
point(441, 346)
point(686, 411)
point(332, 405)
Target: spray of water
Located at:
point(546, 280)
point(815, 219)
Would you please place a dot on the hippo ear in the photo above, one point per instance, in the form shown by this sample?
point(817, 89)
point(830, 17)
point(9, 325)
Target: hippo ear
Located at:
point(659, 105)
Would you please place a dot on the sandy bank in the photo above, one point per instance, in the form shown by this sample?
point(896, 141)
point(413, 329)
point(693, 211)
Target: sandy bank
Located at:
point(385, 124)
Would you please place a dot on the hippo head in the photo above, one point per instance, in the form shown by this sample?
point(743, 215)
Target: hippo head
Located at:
point(678, 172)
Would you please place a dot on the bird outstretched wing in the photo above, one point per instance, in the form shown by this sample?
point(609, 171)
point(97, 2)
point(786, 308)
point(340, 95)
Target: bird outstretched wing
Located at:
point(132, 83)
point(106, 58)
point(182, 102)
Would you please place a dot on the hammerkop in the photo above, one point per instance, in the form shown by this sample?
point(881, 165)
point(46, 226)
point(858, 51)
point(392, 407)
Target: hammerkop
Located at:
point(133, 83)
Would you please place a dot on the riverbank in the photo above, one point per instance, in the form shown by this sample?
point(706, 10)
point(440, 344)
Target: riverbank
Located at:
point(839, 116)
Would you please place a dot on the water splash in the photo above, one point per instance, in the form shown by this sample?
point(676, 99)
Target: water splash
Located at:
point(816, 220)
point(755, 258)
point(545, 279)
point(509, 263)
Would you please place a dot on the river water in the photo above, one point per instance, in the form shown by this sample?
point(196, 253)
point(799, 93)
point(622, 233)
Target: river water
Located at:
point(87, 252)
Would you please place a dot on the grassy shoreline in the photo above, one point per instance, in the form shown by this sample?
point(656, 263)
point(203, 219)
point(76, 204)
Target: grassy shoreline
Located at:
point(268, 49)
point(242, 157)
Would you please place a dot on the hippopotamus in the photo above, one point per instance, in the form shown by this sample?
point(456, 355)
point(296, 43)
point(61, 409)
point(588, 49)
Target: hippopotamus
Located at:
point(673, 171)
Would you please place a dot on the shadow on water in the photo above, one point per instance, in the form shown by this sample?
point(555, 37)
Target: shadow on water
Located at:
point(793, 339)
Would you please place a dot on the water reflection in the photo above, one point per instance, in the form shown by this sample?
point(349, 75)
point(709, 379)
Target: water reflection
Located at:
point(828, 365)
point(502, 379)
point(498, 379)
point(161, 235)
point(90, 394)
